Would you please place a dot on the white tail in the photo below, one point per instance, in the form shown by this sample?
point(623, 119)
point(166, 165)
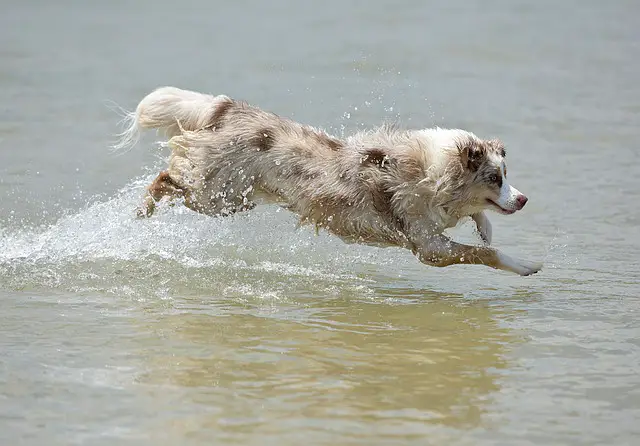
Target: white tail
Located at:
point(168, 109)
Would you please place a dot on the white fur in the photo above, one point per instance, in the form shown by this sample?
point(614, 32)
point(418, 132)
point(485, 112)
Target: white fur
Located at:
point(170, 109)
point(518, 266)
point(508, 196)
point(484, 226)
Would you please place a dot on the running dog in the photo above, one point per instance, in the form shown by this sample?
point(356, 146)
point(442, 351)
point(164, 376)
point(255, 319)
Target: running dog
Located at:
point(382, 187)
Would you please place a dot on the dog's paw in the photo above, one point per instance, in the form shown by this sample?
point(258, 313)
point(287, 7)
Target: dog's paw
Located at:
point(146, 208)
point(528, 268)
point(519, 266)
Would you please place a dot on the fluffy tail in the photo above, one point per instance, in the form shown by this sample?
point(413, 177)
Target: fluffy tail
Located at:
point(170, 110)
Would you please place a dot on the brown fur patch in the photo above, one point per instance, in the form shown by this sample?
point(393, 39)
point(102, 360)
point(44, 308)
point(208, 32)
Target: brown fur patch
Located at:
point(264, 139)
point(162, 186)
point(473, 152)
point(217, 119)
point(376, 157)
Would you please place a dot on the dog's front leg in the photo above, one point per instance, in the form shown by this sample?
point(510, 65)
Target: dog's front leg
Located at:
point(439, 250)
point(484, 226)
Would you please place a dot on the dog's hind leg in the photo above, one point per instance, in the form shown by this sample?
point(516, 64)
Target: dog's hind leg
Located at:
point(163, 187)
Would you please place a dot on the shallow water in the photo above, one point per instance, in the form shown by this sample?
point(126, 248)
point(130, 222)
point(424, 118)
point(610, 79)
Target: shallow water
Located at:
point(183, 329)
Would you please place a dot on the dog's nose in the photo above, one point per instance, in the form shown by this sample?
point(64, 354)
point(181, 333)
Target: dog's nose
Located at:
point(521, 200)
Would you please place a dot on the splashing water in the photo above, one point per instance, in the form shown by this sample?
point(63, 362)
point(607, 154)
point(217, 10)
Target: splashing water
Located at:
point(105, 248)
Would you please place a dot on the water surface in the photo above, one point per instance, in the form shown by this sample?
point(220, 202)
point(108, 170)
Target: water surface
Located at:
point(183, 329)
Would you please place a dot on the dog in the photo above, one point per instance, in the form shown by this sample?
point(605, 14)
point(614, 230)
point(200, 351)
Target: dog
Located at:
point(382, 187)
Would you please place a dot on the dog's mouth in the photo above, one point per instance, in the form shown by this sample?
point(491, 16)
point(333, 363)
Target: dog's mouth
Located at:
point(499, 208)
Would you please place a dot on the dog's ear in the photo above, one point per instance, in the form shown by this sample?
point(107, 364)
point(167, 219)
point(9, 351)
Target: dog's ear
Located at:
point(498, 146)
point(472, 155)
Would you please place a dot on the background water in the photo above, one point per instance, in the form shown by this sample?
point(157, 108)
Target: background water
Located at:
point(184, 329)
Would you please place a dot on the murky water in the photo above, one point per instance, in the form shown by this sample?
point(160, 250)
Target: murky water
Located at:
point(184, 329)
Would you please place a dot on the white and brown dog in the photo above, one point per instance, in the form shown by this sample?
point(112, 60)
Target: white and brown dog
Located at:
point(384, 187)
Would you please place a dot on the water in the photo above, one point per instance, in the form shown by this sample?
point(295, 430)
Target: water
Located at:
point(184, 329)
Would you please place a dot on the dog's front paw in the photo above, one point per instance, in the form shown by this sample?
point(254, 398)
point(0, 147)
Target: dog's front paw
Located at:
point(519, 266)
point(528, 268)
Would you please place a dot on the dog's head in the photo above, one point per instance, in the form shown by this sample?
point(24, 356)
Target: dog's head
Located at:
point(484, 164)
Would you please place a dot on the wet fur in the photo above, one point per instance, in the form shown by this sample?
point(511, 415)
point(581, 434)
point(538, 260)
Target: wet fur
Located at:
point(383, 187)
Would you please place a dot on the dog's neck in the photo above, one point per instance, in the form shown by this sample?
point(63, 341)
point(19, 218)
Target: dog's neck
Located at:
point(448, 185)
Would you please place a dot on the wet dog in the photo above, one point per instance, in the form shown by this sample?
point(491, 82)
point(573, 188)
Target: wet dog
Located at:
point(383, 187)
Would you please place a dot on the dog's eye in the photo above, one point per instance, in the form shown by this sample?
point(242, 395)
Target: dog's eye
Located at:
point(494, 178)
